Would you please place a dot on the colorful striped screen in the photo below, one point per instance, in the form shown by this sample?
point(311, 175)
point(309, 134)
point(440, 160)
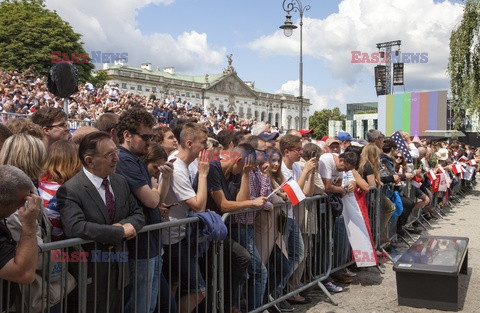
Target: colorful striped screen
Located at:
point(413, 112)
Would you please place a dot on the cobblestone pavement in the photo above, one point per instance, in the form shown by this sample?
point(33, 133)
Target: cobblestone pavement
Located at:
point(372, 291)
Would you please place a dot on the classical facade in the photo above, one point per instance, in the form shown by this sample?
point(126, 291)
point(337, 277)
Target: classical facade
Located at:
point(225, 91)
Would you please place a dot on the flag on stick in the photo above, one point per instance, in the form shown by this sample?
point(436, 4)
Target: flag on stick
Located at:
point(294, 192)
point(440, 169)
point(431, 175)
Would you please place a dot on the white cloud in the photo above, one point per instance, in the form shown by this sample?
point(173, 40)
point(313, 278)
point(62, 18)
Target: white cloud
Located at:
point(422, 25)
point(111, 26)
point(335, 97)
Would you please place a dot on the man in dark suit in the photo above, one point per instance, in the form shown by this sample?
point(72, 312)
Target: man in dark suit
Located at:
point(96, 204)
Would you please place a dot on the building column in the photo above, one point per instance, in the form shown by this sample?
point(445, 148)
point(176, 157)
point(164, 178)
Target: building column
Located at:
point(360, 130)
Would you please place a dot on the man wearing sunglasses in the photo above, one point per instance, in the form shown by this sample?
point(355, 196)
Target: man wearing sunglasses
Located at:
point(54, 124)
point(135, 135)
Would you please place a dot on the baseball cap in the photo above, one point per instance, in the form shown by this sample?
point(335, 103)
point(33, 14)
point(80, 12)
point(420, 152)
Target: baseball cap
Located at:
point(344, 136)
point(306, 131)
point(269, 136)
point(332, 140)
point(324, 138)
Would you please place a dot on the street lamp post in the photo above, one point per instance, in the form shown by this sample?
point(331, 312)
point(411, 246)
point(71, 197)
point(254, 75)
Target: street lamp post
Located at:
point(288, 27)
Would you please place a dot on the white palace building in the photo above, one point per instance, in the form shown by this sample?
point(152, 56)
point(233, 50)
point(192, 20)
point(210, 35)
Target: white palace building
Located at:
point(225, 91)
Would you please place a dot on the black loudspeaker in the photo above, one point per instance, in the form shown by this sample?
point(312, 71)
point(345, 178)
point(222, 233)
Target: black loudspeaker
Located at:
point(63, 79)
point(381, 79)
point(397, 74)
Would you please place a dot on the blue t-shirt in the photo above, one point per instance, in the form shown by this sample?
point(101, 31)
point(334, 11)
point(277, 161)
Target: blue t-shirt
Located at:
point(135, 172)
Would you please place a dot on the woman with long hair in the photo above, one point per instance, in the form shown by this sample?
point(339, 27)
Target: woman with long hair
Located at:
point(368, 165)
point(61, 165)
point(400, 163)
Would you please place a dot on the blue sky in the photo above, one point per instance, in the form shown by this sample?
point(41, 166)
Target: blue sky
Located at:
point(195, 36)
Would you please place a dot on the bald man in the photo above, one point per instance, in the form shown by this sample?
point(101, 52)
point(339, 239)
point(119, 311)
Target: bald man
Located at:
point(82, 132)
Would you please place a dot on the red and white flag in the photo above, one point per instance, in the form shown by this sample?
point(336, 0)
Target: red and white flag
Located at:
point(463, 159)
point(431, 175)
point(294, 192)
point(416, 182)
point(472, 162)
point(458, 169)
point(440, 169)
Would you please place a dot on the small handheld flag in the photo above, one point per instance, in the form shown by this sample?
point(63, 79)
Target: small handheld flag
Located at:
point(294, 192)
point(440, 169)
point(431, 175)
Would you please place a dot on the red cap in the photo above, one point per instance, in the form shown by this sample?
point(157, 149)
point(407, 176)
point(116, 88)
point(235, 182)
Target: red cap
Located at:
point(230, 126)
point(306, 131)
point(324, 138)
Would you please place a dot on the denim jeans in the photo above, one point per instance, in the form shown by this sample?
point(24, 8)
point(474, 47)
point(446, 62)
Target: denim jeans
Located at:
point(342, 252)
point(144, 274)
point(257, 271)
point(279, 273)
point(295, 246)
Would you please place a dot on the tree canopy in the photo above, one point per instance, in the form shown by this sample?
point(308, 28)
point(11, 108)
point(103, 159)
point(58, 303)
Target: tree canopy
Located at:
point(100, 78)
point(464, 63)
point(319, 120)
point(29, 32)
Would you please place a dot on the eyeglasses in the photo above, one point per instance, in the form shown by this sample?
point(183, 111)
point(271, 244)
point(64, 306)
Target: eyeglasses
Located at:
point(398, 157)
point(61, 125)
point(111, 155)
point(145, 137)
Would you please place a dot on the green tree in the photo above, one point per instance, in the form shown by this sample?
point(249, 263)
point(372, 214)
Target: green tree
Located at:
point(464, 62)
point(99, 78)
point(29, 32)
point(319, 121)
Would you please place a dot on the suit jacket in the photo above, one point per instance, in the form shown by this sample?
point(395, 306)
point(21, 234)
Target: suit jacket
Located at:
point(85, 215)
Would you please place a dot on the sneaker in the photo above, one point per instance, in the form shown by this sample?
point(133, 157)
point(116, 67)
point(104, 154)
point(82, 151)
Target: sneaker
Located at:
point(284, 306)
point(332, 287)
point(349, 273)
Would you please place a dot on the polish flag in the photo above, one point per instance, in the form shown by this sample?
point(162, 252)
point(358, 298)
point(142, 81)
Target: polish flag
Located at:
point(294, 192)
point(431, 175)
point(472, 162)
point(416, 182)
point(458, 169)
point(463, 159)
point(440, 169)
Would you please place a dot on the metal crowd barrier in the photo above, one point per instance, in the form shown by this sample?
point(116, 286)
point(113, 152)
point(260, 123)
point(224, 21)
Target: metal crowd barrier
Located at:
point(68, 279)
point(276, 272)
point(73, 123)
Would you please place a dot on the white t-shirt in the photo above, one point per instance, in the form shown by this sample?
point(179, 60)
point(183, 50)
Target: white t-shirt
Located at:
point(288, 174)
point(179, 191)
point(327, 168)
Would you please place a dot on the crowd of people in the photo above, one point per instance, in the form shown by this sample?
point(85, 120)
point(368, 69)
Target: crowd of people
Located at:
point(133, 168)
point(25, 93)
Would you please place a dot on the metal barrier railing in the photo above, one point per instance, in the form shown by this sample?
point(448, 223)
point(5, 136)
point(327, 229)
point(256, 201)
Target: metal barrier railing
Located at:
point(289, 250)
point(69, 280)
point(73, 123)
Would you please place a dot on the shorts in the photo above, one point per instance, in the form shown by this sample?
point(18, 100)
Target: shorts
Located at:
point(181, 265)
point(418, 193)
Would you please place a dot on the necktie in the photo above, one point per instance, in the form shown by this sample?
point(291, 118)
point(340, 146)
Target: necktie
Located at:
point(109, 200)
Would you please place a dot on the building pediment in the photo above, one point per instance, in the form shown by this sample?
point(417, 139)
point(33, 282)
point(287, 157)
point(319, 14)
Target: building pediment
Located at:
point(232, 85)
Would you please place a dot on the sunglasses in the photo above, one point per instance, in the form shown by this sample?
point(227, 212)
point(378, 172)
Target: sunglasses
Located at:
point(145, 137)
point(398, 157)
